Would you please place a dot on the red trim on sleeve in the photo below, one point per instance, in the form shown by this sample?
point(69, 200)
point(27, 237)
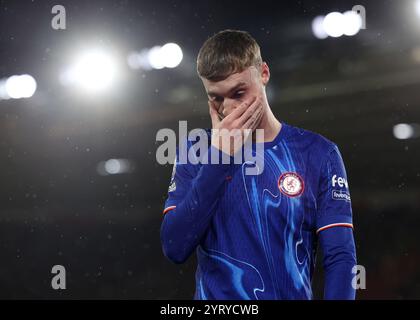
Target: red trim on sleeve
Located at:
point(347, 225)
point(168, 209)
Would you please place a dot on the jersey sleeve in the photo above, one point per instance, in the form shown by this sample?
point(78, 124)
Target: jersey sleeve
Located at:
point(192, 200)
point(179, 185)
point(334, 203)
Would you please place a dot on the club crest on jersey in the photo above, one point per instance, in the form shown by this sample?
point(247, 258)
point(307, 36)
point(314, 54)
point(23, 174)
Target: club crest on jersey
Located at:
point(291, 184)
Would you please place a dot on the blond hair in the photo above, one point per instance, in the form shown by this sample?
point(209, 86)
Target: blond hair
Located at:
point(227, 52)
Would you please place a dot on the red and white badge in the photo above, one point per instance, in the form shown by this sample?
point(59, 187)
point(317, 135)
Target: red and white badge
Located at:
point(291, 184)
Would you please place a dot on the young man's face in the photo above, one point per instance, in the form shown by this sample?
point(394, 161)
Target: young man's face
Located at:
point(227, 94)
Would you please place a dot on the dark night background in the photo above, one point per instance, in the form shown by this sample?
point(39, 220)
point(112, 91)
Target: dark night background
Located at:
point(56, 209)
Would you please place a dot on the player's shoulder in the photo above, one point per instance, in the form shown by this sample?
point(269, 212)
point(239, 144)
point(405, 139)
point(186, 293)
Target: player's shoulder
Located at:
point(310, 140)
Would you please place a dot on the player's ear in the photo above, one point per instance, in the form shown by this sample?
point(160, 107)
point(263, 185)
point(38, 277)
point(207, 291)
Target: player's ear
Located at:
point(265, 73)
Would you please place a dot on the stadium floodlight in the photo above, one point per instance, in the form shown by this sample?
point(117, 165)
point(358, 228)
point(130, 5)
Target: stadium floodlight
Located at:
point(115, 166)
point(403, 131)
point(318, 28)
point(155, 58)
point(17, 87)
point(352, 23)
point(417, 7)
point(3, 92)
point(94, 71)
point(333, 24)
point(171, 54)
point(167, 56)
point(336, 24)
point(135, 60)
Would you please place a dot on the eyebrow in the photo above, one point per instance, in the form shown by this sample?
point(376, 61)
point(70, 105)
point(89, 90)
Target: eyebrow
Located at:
point(240, 84)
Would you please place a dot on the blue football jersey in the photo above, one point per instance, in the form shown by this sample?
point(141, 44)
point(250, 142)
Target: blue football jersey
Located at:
point(260, 238)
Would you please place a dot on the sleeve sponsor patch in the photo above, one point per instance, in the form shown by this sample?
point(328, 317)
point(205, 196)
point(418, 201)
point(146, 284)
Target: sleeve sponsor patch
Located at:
point(341, 195)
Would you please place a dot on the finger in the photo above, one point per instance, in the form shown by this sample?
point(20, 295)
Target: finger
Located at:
point(241, 109)
point(251, 111)
point(214, 115)
point(218, 109)
point(257, 120)
point(252, 121)
point(259, 117)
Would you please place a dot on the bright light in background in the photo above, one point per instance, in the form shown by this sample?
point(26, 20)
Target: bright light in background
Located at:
point(417, 7)
point(403, 131)
point(336, 24)
point(352, 23)
point(167, 56)
point(93, 71)
point(333, 24)
point(156, 58)
point(171, 54)
point(115, 166)
point(138, 60)
point(318, 28)
point(17, 87)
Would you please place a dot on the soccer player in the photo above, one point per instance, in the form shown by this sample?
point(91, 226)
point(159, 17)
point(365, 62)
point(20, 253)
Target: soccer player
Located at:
point(256, 236)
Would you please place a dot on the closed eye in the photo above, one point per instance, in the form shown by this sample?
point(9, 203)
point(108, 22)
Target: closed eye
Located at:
point(238, 94)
